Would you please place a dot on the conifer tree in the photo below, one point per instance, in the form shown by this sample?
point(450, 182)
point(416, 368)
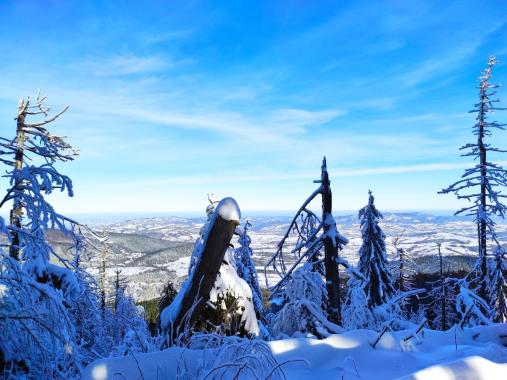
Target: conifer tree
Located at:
point(441, 293)
point(497, 285)
point(373, 256)
point(168, 295)
point(246, 267)
point(480, 184)
point(404, 270)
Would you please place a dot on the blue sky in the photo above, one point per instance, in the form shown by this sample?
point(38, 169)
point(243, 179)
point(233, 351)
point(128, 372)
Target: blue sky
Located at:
point(171, 100)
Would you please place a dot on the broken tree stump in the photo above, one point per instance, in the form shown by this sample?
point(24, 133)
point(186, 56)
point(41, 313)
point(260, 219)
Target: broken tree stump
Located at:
point(181, 315)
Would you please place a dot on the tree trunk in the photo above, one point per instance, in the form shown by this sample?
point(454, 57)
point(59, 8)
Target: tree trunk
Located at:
point(401, 285)
point(102, 283)
point(482, 237)
point(330, 251)
point(204, 274)
point(443, 292)
point(17, 209)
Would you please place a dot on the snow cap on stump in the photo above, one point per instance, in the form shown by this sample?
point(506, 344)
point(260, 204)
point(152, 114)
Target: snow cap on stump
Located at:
point(228, 209)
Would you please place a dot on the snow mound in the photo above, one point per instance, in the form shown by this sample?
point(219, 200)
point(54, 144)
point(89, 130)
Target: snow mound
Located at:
point(471, 368)
point(471, 353)
point(228, 209)
point(229, 281)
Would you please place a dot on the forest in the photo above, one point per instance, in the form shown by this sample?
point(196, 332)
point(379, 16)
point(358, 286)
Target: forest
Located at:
point(57, 321)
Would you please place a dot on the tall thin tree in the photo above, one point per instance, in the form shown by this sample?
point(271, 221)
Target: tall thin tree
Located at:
point(480, 184)
point(443, 300)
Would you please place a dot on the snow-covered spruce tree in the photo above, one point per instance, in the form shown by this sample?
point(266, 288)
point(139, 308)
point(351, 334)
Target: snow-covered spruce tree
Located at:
point(497, 285)
point(472, 310)
point(86, 314)
point(357, 313)
point(481, 184)
point(38, 335)
point(373, 265)
point(126, 323)
point(246, 267)
point(304, 306)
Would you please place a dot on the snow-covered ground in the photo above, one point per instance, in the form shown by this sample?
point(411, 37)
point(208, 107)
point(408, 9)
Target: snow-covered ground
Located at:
point(473, 353)
point(151, 251)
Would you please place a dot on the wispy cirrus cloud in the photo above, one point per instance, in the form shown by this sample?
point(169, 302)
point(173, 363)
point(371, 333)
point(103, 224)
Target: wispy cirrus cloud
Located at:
point(191, 97)
point(228, 177)
point(121, 65)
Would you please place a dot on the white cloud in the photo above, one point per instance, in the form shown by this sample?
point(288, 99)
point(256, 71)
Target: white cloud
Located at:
point(228, 177)
point(120, 65)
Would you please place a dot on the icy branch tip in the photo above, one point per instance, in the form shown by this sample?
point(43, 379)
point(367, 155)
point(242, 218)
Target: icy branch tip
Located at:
point(228, 209)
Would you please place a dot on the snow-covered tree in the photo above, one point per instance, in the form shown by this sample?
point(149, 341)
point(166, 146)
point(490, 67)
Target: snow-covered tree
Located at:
point(88, 319)
point(497, 285)
point(318, 243)
point(38, 293)
point(304, 305)
point(126, 324)
point(104, 253)
point(246, 267)
point(357, 313)
point(472, 309)
point(403, 270)
point(373, 263)
point(481, 184)
point(50, 319)
point(441, 296)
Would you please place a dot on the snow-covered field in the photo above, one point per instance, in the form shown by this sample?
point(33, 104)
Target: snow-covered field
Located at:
point(477, 353)
point(151, 251)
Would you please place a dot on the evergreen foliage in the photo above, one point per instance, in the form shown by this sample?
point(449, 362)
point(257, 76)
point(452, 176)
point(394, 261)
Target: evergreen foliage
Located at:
point(373, 264)
point(246, 267)
point(497, 285)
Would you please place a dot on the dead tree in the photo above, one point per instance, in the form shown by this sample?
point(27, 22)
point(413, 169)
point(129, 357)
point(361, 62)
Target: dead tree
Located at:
point(313, 235)
point(186, 308)
point(31, 139)
point(330, 248)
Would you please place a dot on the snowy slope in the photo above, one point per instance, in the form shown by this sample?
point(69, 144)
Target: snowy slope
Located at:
point(476, 353)
point(150, 251)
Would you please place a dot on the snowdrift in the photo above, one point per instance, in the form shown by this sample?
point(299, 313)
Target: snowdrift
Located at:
point(472, 353)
